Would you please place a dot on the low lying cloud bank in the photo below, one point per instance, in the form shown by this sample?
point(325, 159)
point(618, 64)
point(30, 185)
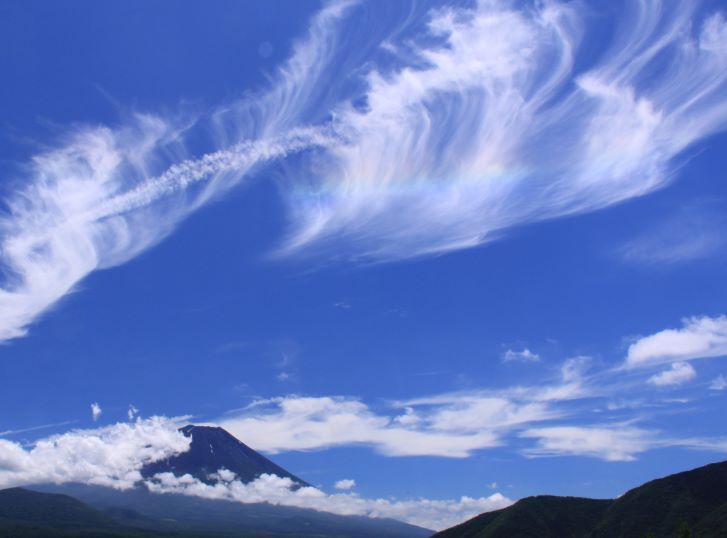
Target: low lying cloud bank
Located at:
point(432, 514)
point(113, 456)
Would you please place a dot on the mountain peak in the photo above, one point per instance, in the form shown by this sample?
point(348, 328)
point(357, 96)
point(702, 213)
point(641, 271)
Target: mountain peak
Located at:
point(214, 448)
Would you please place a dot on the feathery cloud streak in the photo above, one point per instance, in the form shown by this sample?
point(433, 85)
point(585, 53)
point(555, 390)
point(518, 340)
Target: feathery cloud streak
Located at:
point(499, 128)
point(105, 195)
point(446, 147)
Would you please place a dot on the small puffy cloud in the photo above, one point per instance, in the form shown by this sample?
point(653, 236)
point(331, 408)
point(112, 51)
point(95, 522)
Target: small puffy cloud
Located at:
point(345, 484)
point(610, 443)
point(95, 411)
point(525, 356)
point(679, 373)
point(223, 475)
point(699, 337)
point(132, 412)
point(718, 383)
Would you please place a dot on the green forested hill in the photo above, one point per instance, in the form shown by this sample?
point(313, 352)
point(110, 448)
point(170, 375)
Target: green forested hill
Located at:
point(697, 498)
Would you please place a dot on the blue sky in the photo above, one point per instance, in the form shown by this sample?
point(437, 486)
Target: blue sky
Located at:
point(442, 249)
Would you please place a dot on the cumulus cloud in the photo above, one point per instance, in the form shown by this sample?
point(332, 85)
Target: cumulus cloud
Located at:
point(443, 147)
point(95, 411)
point(699, 337)
point(110, 456)
point(525, 355)
point(678, 374)
point(345, 484)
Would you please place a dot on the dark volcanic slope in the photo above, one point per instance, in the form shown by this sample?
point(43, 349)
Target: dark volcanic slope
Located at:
point(212, 449)
point(697, 498)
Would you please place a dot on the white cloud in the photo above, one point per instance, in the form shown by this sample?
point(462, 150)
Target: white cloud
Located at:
point(610, 443)
point(91, 204)
point(429, 513)
point(110, 456)
point(453, 149)
point(308, 423)
point(36, 428)
point(132, 412)
point(449, 425)
point(95, 411)
point(113, 456)
point(105, 195)
point(678, 374)
point(699, 337)
point(345, 484)
point(525, 355)
point(695, 232)
point(718, 383)
point(454, 145)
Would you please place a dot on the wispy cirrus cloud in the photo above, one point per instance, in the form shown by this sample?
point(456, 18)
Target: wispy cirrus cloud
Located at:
point(104, 195)
point(718, 383)
point(695, 232)
point(612, 443)
point(444, 147)
point(497, 128)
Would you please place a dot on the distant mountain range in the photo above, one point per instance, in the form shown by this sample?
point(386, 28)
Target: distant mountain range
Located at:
point(692, 503)
point(49, 510)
